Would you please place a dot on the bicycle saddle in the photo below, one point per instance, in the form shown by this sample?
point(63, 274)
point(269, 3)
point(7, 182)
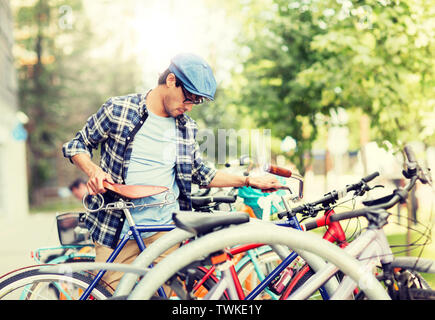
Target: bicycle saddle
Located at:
point(200, 222)
point(133, 191)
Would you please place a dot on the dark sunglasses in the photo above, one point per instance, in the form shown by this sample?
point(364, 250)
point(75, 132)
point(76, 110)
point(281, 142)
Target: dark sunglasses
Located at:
point(188, 97)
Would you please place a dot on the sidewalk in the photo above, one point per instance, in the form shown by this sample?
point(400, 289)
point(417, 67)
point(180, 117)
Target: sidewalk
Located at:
point(19, 237)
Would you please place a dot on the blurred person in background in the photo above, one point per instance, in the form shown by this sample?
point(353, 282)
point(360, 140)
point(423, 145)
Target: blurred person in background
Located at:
point(78, 188)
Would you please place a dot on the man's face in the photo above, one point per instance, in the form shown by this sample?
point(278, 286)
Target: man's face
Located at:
point(80, 191)
point(178, 100)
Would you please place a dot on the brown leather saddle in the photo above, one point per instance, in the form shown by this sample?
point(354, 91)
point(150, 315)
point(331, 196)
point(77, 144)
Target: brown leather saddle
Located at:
point(133, 191)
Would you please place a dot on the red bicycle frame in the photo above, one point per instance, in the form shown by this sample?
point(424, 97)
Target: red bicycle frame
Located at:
point(334, 233)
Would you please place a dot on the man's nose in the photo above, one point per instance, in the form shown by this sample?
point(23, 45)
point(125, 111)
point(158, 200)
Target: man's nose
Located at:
point(188, 107)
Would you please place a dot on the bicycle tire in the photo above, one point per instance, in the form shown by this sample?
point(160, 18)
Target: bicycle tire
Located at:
point(30, 284)
point(409, 283)
point(248, 276)
point(196, 274)
point(421, 294)
point(255, 232)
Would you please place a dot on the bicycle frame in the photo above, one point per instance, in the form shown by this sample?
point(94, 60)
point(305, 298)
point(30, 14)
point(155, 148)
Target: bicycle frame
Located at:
point(371, 246)
point(135, 231)
point(334, 233)
point(36, 254)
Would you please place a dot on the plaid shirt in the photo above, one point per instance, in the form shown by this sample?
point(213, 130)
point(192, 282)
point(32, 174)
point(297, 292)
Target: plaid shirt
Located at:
point(114, 126)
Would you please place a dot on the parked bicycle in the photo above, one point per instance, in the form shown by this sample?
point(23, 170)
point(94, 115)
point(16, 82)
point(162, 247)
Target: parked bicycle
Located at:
point(34, 282)
point(356, 260)
point(265, 258)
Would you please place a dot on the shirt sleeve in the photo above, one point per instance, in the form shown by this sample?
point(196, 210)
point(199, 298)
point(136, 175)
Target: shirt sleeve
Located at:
point(201, 173)
point(95, 131)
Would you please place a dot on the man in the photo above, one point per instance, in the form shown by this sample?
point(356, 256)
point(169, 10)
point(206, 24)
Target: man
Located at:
point(149, 140)
point(78, 188)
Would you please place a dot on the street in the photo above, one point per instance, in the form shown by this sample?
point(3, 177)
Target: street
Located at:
point(19, 237)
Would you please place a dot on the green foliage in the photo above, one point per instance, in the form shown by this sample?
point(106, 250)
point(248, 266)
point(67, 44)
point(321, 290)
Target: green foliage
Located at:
point(380, 59)
point(277, 41)
point(302, 58)
point(60, 84)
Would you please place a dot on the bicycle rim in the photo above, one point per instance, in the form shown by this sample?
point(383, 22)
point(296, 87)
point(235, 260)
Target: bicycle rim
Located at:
point(250, 275)
point(39, 285)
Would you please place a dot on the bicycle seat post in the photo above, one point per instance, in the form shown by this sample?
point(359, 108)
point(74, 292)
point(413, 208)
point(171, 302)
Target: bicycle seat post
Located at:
point(120, 204)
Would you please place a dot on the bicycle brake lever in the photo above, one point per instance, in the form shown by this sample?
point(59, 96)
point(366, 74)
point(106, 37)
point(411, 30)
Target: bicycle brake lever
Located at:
point(378, 186)
point(366, 188)
point(424, 175)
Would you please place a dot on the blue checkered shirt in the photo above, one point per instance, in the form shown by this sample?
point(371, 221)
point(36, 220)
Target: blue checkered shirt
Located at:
point(114, 126)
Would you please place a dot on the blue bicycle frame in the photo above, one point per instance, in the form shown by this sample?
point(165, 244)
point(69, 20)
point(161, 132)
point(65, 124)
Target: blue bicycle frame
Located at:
point(293, 223)
point(135, 231)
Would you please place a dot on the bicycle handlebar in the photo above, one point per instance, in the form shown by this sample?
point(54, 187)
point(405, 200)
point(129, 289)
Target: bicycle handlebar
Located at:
point(332, 196)
point(370, 177)
point(410, 154)
point(413, 173)
point(279, 171)
point(396, 198)
point(203, 201)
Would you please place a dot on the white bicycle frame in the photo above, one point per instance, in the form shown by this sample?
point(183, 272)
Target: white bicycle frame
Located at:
point(260, 232)
point(370, 248)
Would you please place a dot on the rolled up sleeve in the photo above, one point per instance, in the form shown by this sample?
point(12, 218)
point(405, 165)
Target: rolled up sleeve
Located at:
point(94, 132)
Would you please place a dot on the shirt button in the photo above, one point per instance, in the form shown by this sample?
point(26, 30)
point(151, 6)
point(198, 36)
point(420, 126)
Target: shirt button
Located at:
point(128, 138)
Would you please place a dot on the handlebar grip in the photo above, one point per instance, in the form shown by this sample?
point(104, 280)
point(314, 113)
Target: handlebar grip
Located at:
point(347, 215)
point(279, 171)
point(203, 201)
point(410, 154)
point(281, 215)
point(370, 177)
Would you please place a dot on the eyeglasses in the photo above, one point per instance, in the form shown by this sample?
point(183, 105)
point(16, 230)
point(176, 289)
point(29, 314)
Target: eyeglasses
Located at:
point(189, 97)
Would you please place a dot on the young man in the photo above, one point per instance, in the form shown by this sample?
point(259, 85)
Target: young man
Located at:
point(149, 140)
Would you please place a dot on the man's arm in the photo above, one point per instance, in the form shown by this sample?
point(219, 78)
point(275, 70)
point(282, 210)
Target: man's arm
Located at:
point(95, 173)
point(222, 180)
point(209, 178)
point(79, 149)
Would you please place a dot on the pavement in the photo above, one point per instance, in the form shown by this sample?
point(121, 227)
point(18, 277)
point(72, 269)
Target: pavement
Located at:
point(19, 236)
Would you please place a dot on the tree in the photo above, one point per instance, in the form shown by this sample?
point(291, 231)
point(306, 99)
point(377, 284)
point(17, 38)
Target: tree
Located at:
point(308, 57)
point(60, 85)
point(378, 56)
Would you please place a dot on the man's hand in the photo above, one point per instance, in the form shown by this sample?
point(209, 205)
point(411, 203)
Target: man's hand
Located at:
point(95, 182)
point(95, 173)
point(266, 183)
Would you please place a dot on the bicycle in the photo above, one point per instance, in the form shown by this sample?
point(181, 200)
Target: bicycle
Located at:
point(278, 276)
point(370, 244)
point(74, 239)
point(82, 285)
point(34, 280)
point(256, 261)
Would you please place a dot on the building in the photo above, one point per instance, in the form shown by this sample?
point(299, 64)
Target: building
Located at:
point(13, 169)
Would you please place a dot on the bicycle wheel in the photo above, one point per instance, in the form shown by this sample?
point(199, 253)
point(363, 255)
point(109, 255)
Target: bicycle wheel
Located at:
point(36, 284)
point(408, 277)
point(192, 283)
point(299, 278)
point(257, 232)
point(251, 273)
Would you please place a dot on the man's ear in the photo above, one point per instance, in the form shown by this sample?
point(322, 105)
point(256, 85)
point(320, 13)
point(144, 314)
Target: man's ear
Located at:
point(170, 80)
